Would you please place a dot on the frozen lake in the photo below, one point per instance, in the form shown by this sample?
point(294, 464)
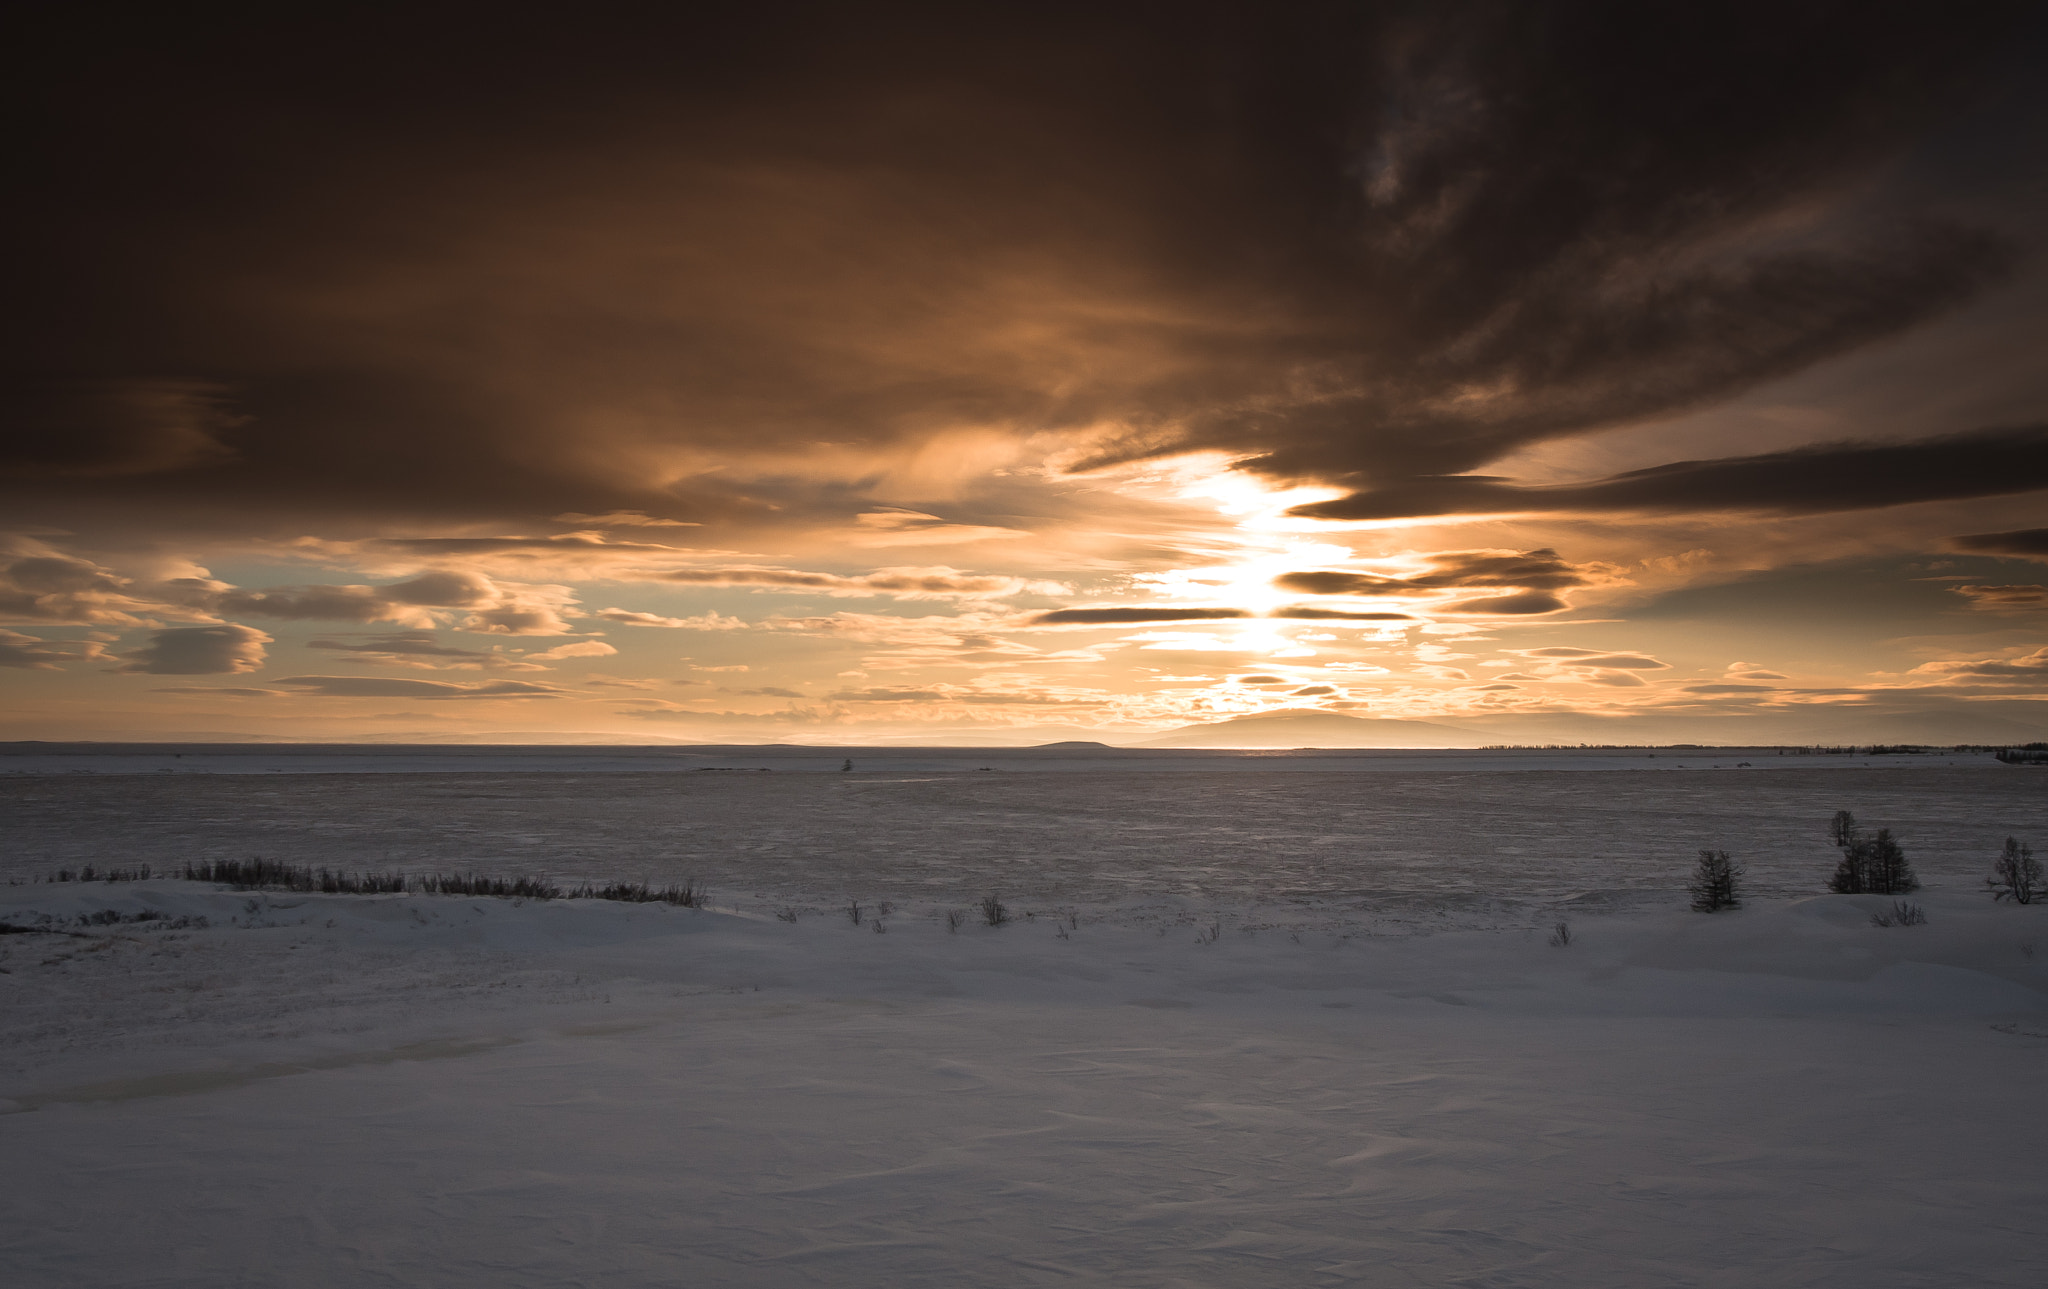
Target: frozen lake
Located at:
point(1375, 841)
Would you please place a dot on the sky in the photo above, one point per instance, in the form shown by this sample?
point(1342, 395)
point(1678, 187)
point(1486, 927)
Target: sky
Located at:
point(902, 373)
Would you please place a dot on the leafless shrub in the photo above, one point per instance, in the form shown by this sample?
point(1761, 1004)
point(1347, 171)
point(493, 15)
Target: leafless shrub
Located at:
point(993, 911)
point(853, 912)
point(785, 915)
point(1211, 933)
point(1561, 936)
point(954, 917)
point(1900, 914)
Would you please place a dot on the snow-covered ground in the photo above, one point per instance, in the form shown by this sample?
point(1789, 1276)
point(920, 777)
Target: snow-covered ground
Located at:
point(1230, 1044)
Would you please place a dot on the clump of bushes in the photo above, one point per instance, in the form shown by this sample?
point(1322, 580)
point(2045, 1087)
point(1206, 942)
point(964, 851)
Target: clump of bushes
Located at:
point(139, 873)
point(1870, 865)
point(1716, 883)
point(273, 875)
point(993, 911)
point(527, 888)
point(689, 895)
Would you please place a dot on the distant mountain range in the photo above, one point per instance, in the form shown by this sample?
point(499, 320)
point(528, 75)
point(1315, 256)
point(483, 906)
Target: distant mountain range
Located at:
point(1296, 728)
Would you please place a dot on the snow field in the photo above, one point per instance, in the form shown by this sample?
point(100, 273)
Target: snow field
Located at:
point(438, 1091)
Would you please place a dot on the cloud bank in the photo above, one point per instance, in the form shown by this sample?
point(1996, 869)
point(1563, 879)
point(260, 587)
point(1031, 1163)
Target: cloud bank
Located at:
point(721, 268)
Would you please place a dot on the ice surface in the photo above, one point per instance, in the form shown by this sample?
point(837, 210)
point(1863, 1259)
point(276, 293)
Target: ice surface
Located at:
point(1386, 846)
point(1226, 1064)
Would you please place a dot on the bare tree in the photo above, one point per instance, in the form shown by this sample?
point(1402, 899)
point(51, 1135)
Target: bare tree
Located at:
point(1716, 883)
point(2015, 873)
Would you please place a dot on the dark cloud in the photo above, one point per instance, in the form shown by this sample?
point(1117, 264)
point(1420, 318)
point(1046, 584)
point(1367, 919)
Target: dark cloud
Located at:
point(1566, 657)
point(405, 644)
point(1263, 680)
point(30, 653)
point(2027, 543)
point(487, 606)
point(623, 519)
point(361, 267)
point(100, 428)
point(1810, 480)
point(1590, 666)
point(59, 575)
point(904, 583)
point(1521, 603)
point(1340, 583)
point(2027, 672)
point(1540, 570)
point(1625, 661)
point(567, 548)
point(2024, 597)
point(1314, 691)
point(380, 687)
point(1077, 617)
point(1337, 615)
point(338, 603)
point(1730, 689)
point(59, 588)
point(298, 603)
point(1536, 573)
point(198, 651)
point(453, 589)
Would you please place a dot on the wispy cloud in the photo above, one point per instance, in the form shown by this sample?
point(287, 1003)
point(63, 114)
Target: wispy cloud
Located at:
point(392, 687)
